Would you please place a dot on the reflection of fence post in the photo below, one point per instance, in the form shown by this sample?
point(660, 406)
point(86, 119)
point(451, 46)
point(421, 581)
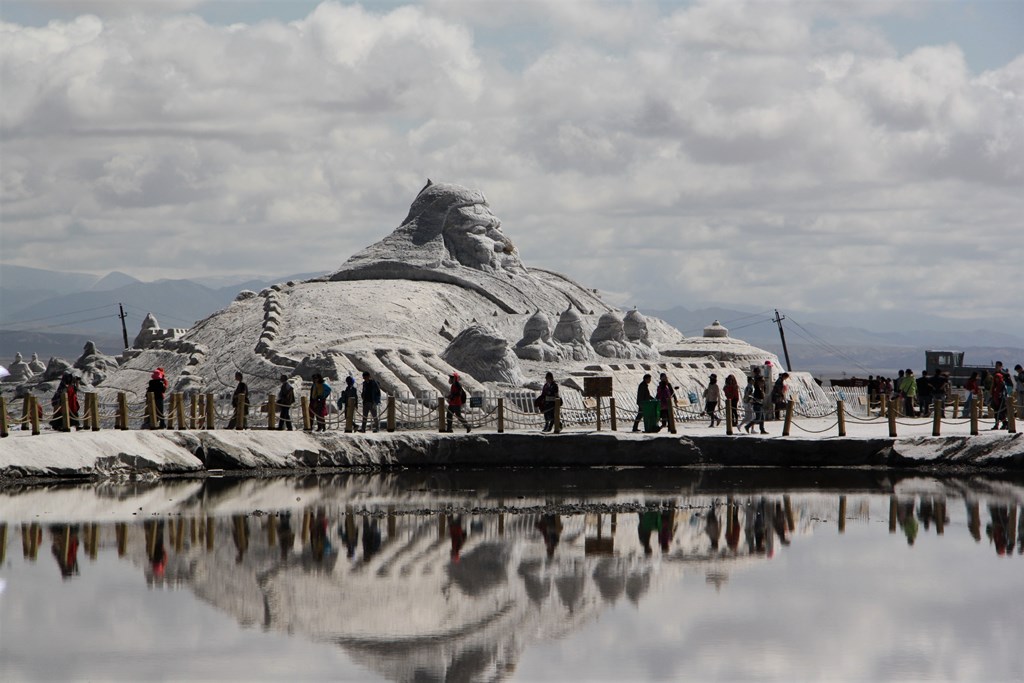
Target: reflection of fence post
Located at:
point(789, 417)
point(842, 514)
point(122, 411)
point(440, 414)
point(937, 410)
point(612, 421)
point(841, 415)
point(558, 416)
point(211, 411)
point(892, 420)
point(975, 412)
point(307, 423)
point(350, 414)
point(3, 417)
point(501, 415)
point(391, 413)
point(33, 405)
point(1011, 415)
point(892, 512)
point(271, 411)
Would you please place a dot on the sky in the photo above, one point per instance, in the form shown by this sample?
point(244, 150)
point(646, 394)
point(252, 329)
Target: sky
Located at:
point(816, 156)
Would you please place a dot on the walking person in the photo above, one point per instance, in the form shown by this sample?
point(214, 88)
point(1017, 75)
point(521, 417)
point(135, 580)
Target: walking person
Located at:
point(666, 398)
point(546, 401)
point(158, 387)
point(779, 395)
point(456, 399)
point(758, 399)
point(712, 394)
point(998, 399)
point(371, 401)
point(924, 394)
point(240, 413)
point(732, 398)
point(973, 389)
point(643, 394)
point(285, 401)
point(1019, 382)
point(909, 391)
point(66, 387)
point(748, 405)
point(347, 394)
point(319, 401)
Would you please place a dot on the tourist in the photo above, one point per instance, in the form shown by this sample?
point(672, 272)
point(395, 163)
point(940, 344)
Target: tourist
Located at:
point(348, 394)
point(458, 536)
point(973, 389)
point(748, 405)
point(940, 389)
point(924, 393)
point(908, 389)
point(158, 387)
point(319, 397)
point(711, 397)
point(1019, 381)
point(757, 402)
point(779, 395)
point(547, 400)
point(666, 396)
point(456, 399)
point(65, 388)
point(239, 417)
point(371, 400)
point(732, 398)
point(550, 527)
point(643, 394)
point(998, 399)
point(285, 401)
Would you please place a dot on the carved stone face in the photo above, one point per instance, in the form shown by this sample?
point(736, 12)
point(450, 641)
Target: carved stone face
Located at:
point(635, 326)
point(569, 328)
point(473, 236)
point(538, 327)
point(609, 328)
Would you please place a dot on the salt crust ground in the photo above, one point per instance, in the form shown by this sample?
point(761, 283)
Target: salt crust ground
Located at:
point(110, 453)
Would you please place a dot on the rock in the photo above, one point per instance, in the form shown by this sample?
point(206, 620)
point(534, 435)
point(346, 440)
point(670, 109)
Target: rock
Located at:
point(483, 353)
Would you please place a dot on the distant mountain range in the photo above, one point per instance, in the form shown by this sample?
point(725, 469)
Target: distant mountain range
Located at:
point(53, 313)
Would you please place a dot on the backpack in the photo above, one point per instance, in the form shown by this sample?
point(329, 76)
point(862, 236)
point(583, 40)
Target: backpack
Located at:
point(462, 394)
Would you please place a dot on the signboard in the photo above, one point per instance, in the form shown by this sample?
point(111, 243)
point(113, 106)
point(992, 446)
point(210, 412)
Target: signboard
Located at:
point(476, 401)
point(597, 386)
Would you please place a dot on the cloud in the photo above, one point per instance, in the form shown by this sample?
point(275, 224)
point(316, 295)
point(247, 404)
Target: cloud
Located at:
point(727, 151)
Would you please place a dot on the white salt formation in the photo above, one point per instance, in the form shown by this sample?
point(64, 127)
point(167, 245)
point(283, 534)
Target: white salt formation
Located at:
point(446, 291)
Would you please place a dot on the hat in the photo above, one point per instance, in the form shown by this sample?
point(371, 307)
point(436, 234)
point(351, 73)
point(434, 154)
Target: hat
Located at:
point(349, 380)
point(455, 376)
point(158, 373)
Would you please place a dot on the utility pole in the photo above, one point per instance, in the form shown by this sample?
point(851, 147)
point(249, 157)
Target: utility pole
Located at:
point(124, 329)
point(782, 334)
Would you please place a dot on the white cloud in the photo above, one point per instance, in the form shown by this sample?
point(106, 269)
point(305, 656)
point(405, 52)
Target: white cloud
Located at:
point(727, 151)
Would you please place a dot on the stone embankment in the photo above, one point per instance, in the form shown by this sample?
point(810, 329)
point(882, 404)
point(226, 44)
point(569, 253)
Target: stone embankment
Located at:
point(112, 453)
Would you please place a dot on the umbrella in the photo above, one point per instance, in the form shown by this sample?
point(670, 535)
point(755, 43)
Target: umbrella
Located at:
point(4, 372)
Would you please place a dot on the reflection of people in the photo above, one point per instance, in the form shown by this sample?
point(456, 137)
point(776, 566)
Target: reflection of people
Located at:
point(285, 534)
point(319, 545)
point(458, 535)
point(240, 535)
point(713, 528)
point(973, 519)
point(906, 519)
point(349, 534)
point(371, 538)
point(998, 530)
point(666, 528)
point(157, 552)
point(550, 527)
point(732, 525)
point(64, 546)
point(649, 522)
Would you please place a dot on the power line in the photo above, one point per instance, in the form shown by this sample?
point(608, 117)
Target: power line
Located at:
point(57, 315)
point(70, 322)
point(815, 339)
point(144, 312)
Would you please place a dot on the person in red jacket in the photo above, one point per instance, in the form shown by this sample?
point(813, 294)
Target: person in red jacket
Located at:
point(732, 397)
point(456, 399)
point(999, 399)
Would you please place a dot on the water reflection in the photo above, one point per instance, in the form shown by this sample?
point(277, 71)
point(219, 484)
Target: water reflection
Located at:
point(441, 583)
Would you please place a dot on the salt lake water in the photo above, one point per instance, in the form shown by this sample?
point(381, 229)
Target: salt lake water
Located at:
point(618, 574)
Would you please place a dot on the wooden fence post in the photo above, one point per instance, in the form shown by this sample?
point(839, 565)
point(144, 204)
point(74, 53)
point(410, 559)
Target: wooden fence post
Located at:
point(179, 406)
point(95, 406)
point(937, 410)
point(33, 405)
point(122, 411)
point(789, 417)
point(672, 416)
point(884, 405)
point(841, 415)
point(211, 411)
point(558, 416)
point(975, 413)
point(613, 422)
point(3, 417)
point(956, 405)
point(728, 417)
point(501, 415)
point(350, 414)
point(65, 417)
point(307, 423)
point(193, 410)
point(391, 413)
point(85, 408)
point(441, 427)
point(1011, 415)
point(26, 406)
point(271, 411)
point(598, 413)
point(151, 420)
point(241, 411)
point(892, 420)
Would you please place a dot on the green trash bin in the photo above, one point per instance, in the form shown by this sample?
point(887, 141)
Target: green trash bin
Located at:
point(652, 415)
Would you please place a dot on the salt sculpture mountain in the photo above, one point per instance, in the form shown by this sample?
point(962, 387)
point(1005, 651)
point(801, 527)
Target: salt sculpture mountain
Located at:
point(446, 291)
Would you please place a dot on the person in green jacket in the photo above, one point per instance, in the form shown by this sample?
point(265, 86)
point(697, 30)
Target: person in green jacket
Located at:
point(909, 389)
